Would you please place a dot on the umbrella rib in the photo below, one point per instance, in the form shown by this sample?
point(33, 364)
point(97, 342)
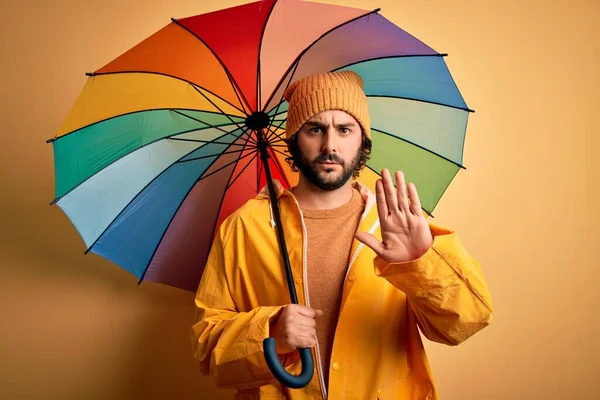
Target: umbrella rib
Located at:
point(223, 167)
point(230, 184)
point(281, 152)
point(134, 198)
point(274, 132)
point(312, 44)
point(57, 199)
point(274, 135)
point(259, 167)
point(235, 85)
point(173, 217)
point(217, 107)
point(277, 141)
point(280, 113)
point(283, 94)
point(421, 147)
point(199, 120)
point(404, 98)
point(258, 69)
point(278, 166)
point(54, 139)
point(421, 101)
point(92, 74)
point(208, 156)
point(204, 141)
point(389, 57)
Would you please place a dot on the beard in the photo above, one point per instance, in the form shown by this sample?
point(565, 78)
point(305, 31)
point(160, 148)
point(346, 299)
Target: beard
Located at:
point(327, 181)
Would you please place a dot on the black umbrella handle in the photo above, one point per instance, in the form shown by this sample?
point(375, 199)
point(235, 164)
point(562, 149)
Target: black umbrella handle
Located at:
point(289, 380)
point(269, 345)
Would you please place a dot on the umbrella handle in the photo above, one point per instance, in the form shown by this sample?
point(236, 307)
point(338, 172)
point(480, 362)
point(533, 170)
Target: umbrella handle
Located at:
point(289, 380)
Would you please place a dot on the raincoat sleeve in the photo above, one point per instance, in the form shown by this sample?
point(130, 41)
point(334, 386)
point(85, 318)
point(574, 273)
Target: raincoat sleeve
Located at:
point(227, 343)
point(445, 288)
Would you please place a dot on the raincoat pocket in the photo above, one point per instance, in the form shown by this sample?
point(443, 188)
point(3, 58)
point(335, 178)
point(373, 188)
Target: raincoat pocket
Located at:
point(407, 389)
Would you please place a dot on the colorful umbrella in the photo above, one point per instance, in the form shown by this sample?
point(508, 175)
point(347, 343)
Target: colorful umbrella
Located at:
point(165, 141)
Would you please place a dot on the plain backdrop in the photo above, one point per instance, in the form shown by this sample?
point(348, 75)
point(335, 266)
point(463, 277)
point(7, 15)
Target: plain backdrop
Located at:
point(79, 327)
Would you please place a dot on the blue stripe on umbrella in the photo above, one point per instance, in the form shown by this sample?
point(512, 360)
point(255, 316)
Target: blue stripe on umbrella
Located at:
point(132, 239)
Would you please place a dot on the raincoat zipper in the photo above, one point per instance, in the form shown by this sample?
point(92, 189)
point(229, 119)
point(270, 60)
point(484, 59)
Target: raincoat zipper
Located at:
point(305, 285)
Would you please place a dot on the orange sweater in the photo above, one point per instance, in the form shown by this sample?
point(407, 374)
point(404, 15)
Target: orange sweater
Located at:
point(330, 235)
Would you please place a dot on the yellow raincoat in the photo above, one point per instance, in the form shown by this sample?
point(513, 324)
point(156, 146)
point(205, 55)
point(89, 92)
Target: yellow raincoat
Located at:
point(377, 351)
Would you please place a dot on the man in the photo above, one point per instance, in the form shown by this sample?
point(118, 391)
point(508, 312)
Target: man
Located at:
point(369, 270)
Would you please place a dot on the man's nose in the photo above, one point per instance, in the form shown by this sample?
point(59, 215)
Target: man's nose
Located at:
point(329, 141)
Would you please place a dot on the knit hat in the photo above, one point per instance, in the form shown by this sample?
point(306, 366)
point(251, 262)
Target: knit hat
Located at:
point(340, 90)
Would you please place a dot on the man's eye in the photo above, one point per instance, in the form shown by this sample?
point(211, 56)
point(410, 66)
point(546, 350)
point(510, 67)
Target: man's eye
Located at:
point(316, 129)
point(345, 131)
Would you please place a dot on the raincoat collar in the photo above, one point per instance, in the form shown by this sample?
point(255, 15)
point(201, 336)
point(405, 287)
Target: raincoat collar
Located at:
point(364, 191)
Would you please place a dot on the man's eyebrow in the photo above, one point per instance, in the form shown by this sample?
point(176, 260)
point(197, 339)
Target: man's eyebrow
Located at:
point(346, 125)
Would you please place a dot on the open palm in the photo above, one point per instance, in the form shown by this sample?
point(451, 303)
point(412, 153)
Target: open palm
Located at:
point(405, 232)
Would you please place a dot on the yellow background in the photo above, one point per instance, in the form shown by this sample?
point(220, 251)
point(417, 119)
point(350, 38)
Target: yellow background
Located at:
point(78, 327)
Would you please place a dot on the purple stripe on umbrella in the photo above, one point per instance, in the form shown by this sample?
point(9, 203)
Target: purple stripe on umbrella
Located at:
point(367, 38)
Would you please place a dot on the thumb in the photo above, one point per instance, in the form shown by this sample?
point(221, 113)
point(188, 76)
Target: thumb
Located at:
point(318, 313)
point(370, 241)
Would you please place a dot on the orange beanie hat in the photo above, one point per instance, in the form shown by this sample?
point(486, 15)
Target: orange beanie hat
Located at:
point(341, 90)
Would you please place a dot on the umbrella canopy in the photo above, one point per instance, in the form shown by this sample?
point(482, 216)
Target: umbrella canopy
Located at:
point(162, 143)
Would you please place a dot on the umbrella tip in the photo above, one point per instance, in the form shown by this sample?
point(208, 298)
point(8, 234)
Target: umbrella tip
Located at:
point(50, 140)
point(173, 19)
point(90, 74)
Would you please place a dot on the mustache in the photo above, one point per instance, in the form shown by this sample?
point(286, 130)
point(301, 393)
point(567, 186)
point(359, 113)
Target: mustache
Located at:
point(330, 157)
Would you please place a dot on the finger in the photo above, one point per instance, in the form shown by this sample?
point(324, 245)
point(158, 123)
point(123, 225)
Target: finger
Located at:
point(304, 339)
point(391, 197)
point(371, 241)
point(306, 322)
point(401, 192)
point(415, 202)
point(307, 311)
point(382, 207)
point(307, 343)
point(308, 333)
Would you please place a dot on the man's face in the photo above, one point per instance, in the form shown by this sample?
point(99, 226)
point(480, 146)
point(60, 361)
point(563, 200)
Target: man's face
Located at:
point(329, 149)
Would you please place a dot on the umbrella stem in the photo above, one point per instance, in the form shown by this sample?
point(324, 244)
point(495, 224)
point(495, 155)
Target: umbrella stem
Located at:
point(264, 156)
point(269, 345)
